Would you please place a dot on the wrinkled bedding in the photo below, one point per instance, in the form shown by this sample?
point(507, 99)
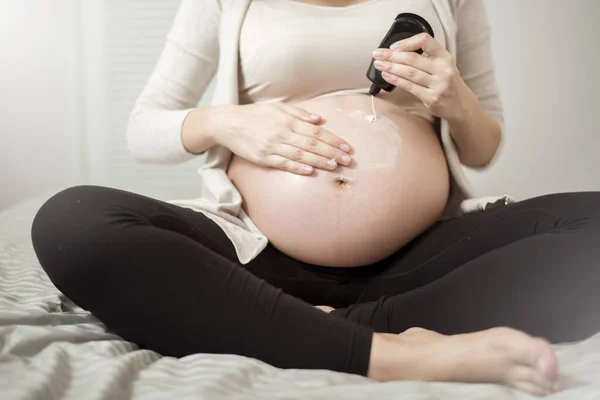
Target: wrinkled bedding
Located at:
point(51, 349)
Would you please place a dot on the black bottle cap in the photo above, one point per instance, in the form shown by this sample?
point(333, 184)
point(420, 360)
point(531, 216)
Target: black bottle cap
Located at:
point(374, 90)
point(405, 25)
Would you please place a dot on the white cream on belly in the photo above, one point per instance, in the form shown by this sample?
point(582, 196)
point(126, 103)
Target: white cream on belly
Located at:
point(385, 138)
point(372, 117)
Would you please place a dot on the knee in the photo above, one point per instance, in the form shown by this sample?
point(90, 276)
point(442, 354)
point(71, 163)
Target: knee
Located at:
point(64, 209)
point(62, 227)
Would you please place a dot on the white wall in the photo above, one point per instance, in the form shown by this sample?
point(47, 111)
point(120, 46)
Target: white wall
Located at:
point(39, 102)
point(549, 77)
point(71, 69)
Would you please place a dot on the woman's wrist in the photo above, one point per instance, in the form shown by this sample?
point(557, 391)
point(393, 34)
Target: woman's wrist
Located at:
point(466, 104)
point(200, 129)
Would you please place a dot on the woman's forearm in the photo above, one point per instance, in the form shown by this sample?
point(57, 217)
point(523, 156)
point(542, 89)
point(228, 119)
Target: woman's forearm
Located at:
point(476, 134)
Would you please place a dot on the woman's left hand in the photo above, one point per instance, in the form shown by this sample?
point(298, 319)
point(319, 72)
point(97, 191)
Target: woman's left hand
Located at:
point(432, 76)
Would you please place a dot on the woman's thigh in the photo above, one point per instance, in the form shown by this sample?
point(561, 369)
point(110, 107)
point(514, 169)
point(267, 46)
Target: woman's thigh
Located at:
point(450, 244)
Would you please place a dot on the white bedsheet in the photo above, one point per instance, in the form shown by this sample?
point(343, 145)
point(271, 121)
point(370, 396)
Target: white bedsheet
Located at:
point(50, 349)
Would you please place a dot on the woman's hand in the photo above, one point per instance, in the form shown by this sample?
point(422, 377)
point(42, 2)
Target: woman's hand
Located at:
point(280, 136)
point(432, 76)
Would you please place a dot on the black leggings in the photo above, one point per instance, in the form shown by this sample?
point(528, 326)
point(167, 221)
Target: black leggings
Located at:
point(167, 278)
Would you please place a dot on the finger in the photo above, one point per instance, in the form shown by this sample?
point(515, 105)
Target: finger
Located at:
point(285, 164)
point(407, 58)
point(312, 145)
point(299, 113)
point(322, 135)
point(405, 71)
point(422, 41)
point(421, 92)
point(305, 157)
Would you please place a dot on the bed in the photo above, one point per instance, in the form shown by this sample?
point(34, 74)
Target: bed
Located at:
point(51, 349)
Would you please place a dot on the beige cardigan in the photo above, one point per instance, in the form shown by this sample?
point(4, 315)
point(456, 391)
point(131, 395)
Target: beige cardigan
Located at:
point(204, 40)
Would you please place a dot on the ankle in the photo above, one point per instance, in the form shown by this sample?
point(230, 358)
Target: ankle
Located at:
point(385, 357)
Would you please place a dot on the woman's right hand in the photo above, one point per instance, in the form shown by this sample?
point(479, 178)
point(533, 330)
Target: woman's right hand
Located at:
point(281, 136)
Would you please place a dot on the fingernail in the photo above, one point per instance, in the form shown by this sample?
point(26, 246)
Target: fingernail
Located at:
point(378, 53)
point(314, 116)
point(395, 47)
point(332, 163)
point(379, 64)
point(307, 168)
point(345, 159)
point(345, 147)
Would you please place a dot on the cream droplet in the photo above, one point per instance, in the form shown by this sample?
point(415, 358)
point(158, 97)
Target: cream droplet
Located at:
point(371, 118)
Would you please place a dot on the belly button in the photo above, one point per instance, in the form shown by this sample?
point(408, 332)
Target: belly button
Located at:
point(342, 183)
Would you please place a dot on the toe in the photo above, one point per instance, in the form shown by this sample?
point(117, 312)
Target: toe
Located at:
point(546, 362)
point(531, 388)
point(524, 374)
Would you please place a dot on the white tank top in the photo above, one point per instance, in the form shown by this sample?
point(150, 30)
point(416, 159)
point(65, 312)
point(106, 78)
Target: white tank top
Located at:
point(293, 51)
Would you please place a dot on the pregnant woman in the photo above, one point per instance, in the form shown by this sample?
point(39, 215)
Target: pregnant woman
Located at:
point(324, 237)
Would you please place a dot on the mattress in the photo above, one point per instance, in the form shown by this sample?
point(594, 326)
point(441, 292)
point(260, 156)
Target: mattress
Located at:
point(51, 349)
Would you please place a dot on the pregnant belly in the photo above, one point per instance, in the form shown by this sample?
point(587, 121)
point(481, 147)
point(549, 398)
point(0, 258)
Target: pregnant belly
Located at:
point(396, 187)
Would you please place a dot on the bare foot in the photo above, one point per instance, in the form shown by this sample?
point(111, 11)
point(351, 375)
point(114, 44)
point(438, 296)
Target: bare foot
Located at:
point(327, 309)
point(499, 355)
